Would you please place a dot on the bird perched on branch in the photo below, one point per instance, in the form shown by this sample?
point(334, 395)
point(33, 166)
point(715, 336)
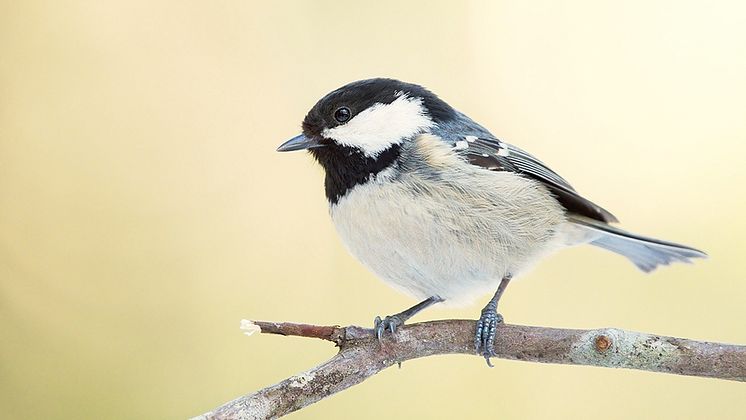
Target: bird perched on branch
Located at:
point(443, 210)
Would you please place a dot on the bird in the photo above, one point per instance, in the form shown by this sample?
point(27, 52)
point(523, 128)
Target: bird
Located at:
point(441, 209)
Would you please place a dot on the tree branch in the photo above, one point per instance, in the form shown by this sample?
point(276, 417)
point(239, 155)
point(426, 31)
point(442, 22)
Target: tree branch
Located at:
point(362, 356)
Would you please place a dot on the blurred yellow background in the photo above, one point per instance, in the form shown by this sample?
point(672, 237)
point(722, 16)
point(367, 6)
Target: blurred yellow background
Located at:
point(144, 211)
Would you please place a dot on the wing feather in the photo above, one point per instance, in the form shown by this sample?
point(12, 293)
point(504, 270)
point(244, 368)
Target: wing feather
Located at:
point(495, 155)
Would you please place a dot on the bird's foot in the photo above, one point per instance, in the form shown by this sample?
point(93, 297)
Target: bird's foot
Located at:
point(390, 323)
point(484, 339)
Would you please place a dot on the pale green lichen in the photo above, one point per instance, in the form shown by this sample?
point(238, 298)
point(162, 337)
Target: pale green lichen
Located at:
point(300, 380)
point(627, 349)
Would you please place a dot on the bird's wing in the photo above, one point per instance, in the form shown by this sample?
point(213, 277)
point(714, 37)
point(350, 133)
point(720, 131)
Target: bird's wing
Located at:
point(496, 155)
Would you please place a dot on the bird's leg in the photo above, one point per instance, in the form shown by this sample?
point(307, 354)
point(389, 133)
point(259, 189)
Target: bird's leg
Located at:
point(484, 339)
point(392, 322)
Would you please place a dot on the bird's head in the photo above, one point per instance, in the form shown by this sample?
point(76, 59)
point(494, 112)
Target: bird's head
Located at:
point(369, 117)
point(360, 129)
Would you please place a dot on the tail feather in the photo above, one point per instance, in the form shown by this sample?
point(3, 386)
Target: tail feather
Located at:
point(646, 253)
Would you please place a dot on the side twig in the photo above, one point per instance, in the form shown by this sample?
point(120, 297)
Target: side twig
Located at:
point(362, 356)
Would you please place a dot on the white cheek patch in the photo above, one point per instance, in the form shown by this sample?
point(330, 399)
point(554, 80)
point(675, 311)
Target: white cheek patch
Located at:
point(378, 127)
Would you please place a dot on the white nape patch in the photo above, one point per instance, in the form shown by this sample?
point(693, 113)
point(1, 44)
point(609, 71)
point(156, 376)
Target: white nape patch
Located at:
point(249, 327)
point(461, 145)
point(375, 129)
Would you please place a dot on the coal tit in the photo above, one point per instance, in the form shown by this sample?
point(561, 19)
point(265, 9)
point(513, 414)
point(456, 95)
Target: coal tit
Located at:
point(441, 209)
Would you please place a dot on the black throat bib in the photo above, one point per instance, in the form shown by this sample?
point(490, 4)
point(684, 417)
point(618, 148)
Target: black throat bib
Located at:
point(347, 167)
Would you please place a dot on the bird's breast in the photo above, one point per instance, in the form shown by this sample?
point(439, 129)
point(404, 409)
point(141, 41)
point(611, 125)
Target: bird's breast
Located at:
point(454, 238)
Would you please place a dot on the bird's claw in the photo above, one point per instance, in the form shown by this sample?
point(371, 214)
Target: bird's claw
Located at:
point(484, 339)
point(390, 323)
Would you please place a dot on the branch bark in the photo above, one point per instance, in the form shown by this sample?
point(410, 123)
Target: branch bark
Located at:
point(362, 356)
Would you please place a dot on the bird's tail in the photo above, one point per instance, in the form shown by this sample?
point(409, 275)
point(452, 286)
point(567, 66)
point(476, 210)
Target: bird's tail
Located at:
point(645, 253)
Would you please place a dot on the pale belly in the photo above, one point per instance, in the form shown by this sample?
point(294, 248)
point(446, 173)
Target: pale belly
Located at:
point(441, 243)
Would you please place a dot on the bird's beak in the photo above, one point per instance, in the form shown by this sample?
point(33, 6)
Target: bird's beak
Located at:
point(299, 142)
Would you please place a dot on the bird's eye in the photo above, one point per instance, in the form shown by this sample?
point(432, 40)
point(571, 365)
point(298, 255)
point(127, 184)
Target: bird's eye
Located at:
point(342, 114)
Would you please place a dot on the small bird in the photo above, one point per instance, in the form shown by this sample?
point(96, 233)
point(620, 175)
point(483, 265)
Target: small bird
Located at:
point(441, 209)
